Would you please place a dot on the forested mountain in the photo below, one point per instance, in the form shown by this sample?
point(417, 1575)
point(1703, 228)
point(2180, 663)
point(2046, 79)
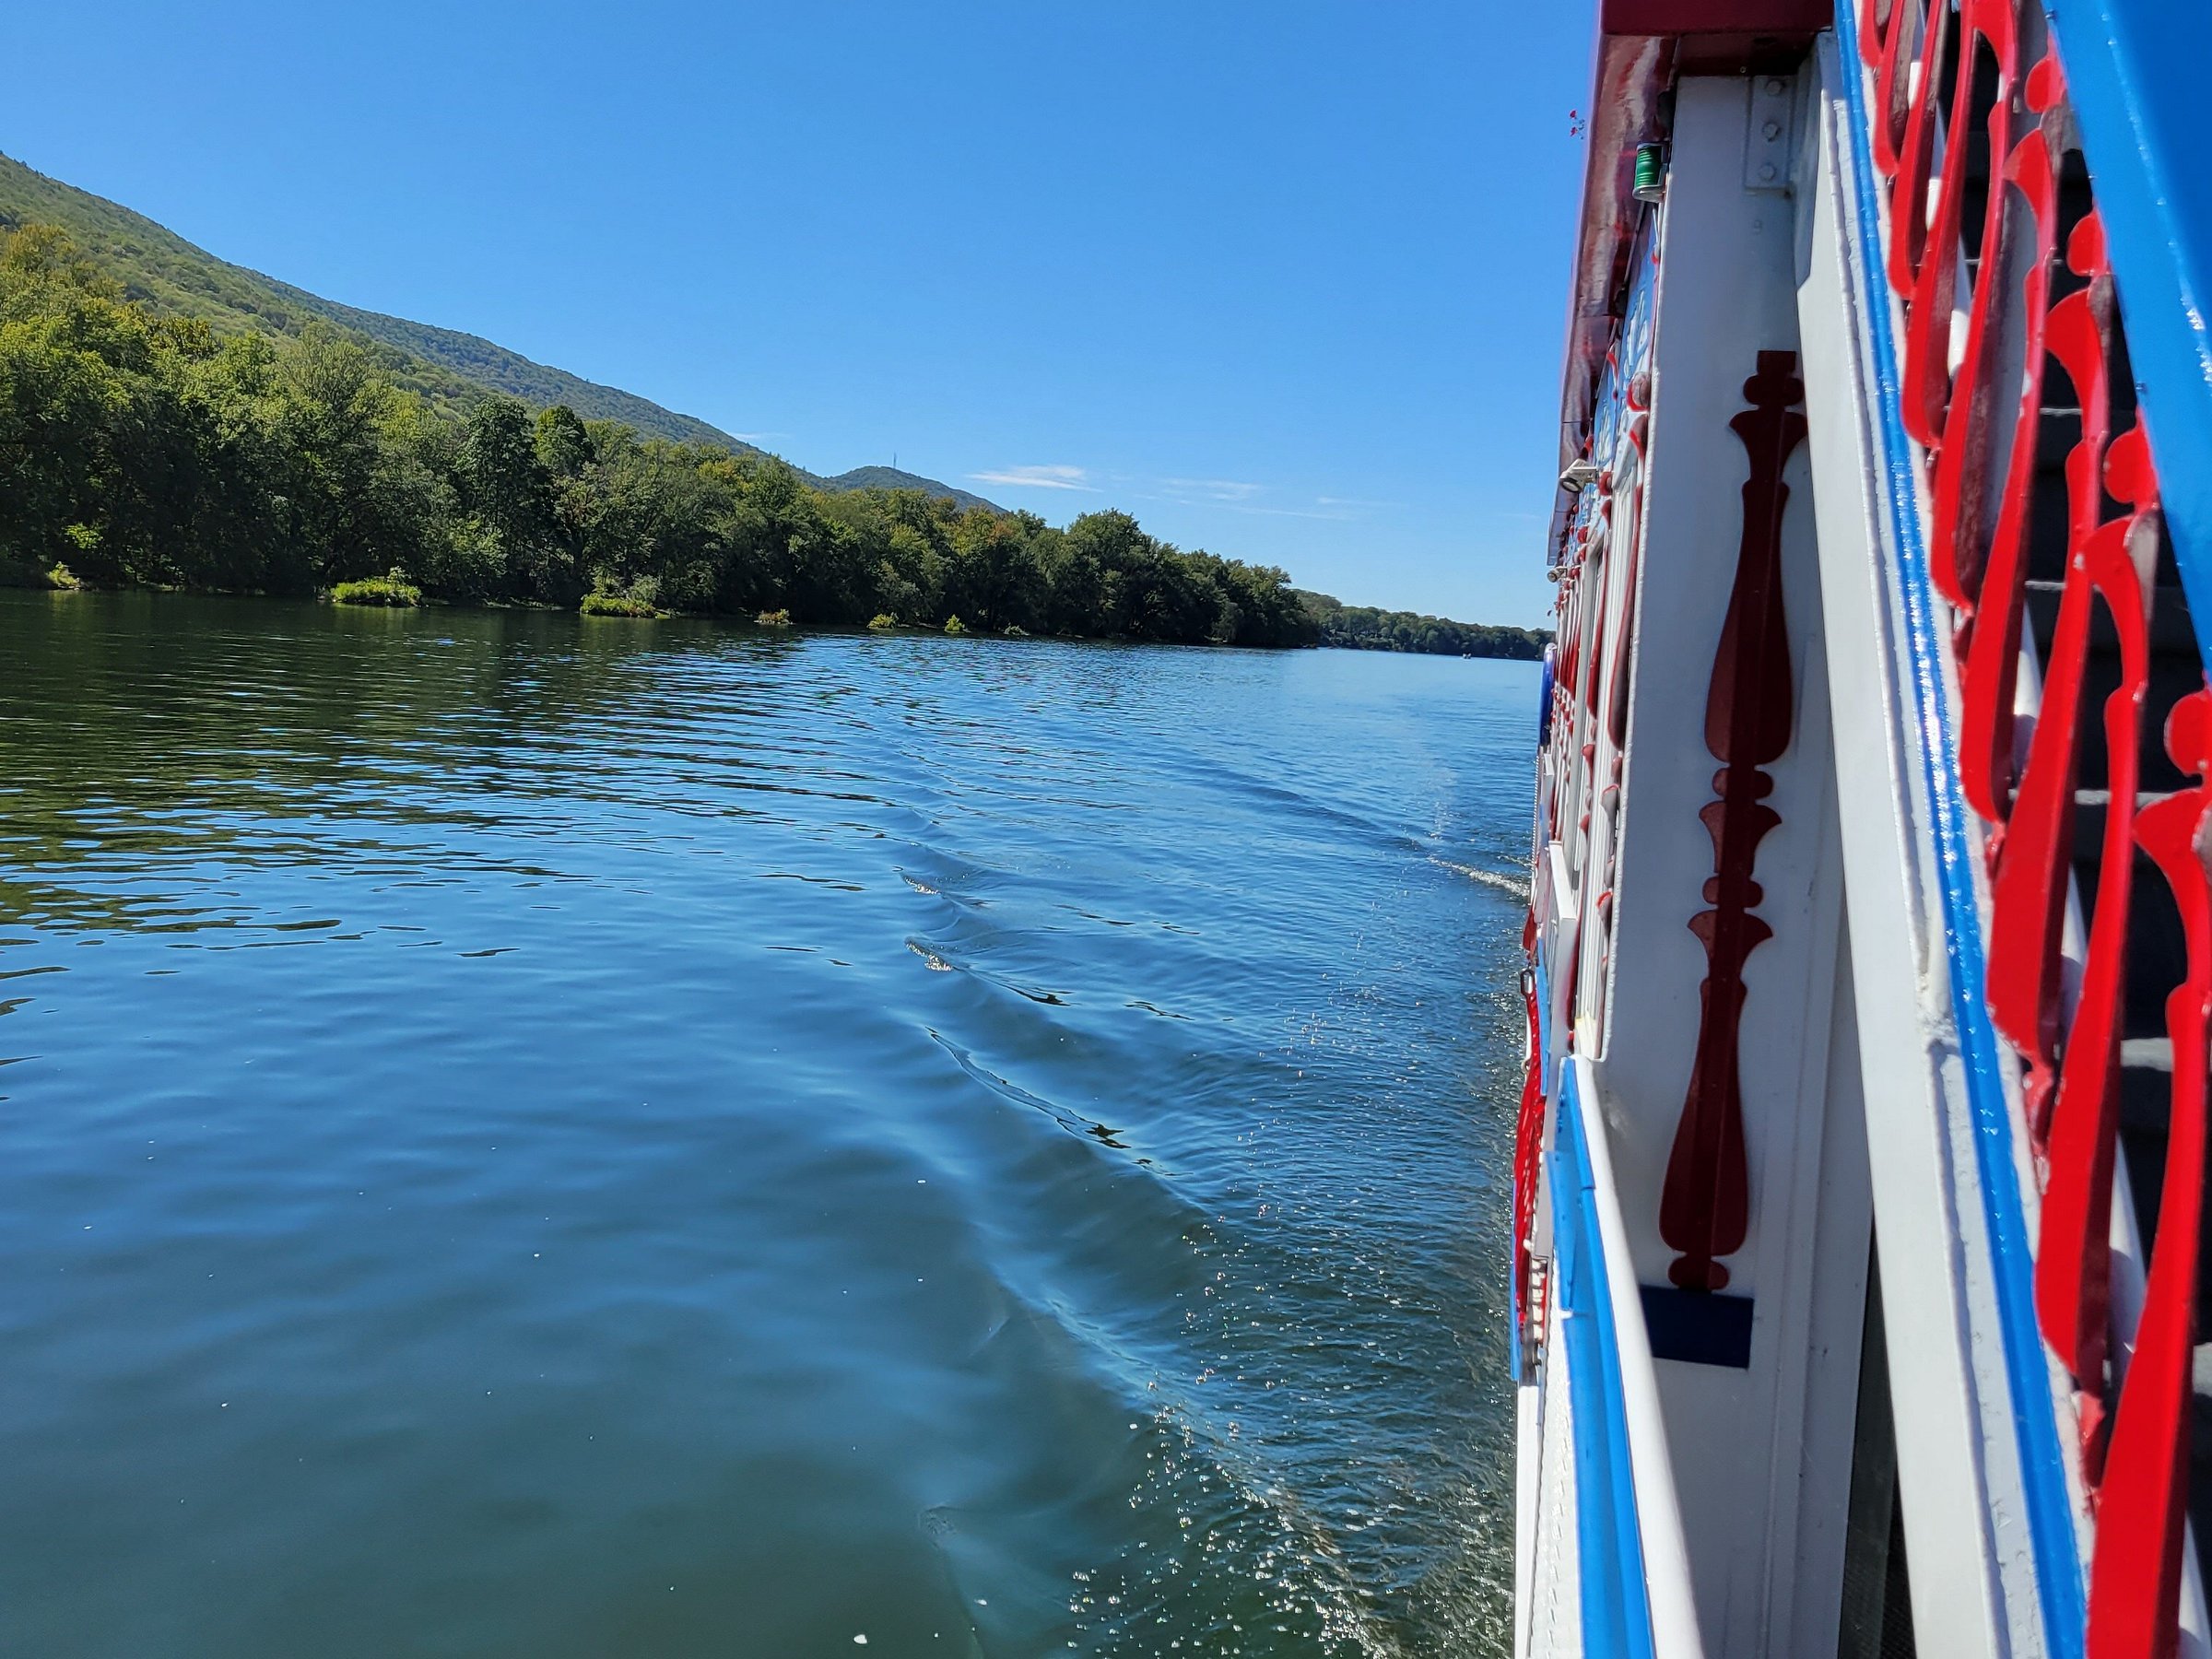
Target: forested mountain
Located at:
point(169, 419)
point(892, 478)
point(173, 277)
point(1363, 628)
point(484, 367)
point(143, 448)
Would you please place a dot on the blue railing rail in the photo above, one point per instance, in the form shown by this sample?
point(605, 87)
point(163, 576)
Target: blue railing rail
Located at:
point(1637, 1600)
point(2135, 76)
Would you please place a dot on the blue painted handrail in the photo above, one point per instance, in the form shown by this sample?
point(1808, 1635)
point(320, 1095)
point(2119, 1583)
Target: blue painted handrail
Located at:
point(1616, 1612)
point(2136, 72)
point(1549, 680)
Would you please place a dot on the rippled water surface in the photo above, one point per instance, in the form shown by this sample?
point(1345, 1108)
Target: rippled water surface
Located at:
point(530, 1137)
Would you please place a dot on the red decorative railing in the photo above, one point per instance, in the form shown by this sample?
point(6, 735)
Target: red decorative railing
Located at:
point(1528, 1137)
point(1932, 65)
point(2135, 1583)
point(1585, 725)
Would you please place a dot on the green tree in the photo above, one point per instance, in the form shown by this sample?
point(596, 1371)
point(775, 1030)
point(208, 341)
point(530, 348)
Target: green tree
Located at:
point(140, 448)
point(507, 489)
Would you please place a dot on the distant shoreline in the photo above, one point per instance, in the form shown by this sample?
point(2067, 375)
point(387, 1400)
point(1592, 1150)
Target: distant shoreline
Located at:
point(14, 579)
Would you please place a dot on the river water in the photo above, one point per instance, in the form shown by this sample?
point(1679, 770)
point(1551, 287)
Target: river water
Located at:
point(526, 1135)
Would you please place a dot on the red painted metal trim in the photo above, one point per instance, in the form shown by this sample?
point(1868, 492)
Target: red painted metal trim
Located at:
point(1528, 1140)
point(2028, 893)
point(2073, 1284)
point(1892, 105)
point(1715, 16)
point(1914, 72)
point(1990, 673)
point(2135, 1577)
point(1966, 406)
point(1927, 389)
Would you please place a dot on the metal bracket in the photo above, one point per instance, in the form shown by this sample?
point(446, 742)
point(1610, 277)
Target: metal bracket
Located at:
point(1769, 133)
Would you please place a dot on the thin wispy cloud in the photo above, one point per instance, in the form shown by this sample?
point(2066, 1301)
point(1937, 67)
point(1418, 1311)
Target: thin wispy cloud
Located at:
point(1212, 490)
point(1234, 495)
point(757, 437)
point(1238, 496)
point(1336, 513)
point(1038, 478)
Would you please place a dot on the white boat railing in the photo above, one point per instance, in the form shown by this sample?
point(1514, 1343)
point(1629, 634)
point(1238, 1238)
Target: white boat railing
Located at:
point(1636, 1593)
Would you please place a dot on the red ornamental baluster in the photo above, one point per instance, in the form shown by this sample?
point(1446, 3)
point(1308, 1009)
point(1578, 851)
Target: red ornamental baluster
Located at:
point(1915, 154)
point(1965, 407)
point(2134, 1576)
point(2028, 895)
point(1926, 392)
point(1988, 677)
point(1873, 19)
point(2073, 1275)
point(1901, 39)
point(1704, 1206)
point(1528, 1138)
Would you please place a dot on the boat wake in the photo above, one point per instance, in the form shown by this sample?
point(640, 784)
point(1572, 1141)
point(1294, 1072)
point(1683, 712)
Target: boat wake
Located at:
point(1515, 885)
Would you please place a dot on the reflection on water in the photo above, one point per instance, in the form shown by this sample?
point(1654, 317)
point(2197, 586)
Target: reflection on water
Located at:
point(526, 1135)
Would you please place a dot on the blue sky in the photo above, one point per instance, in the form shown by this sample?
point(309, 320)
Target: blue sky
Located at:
point(1286, 279)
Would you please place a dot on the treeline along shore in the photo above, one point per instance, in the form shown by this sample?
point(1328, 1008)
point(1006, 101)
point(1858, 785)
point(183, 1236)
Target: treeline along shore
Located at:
point(144, 450)
point(1363, 628)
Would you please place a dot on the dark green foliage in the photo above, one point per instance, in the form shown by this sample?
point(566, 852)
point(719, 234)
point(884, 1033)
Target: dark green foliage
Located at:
point(138, 449)
point(892, 478)
point(1362, 628)
point(142, 448)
